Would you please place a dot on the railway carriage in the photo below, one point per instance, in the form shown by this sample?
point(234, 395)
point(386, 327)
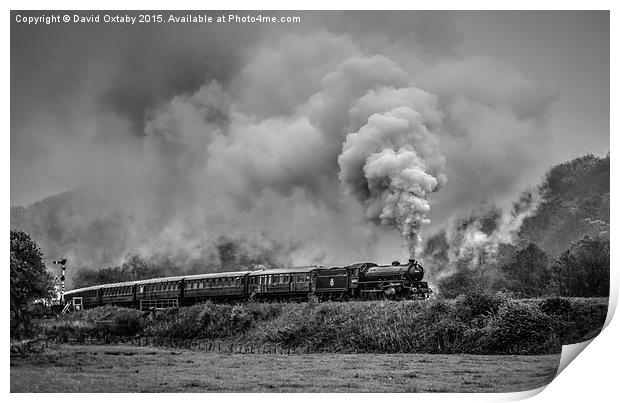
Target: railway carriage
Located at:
point(280, 283)
point(118, 294)
point(90, 296)
point(222, 286)
point(159, 292)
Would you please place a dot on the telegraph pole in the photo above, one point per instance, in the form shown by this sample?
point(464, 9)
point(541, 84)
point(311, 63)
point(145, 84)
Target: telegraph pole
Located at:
point(63, 265)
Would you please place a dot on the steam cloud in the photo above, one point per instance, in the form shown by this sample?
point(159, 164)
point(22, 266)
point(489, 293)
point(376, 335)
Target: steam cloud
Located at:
point(313, 138)
point(393, 185)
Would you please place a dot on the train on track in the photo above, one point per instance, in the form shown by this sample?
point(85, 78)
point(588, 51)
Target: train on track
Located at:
point(356, 281)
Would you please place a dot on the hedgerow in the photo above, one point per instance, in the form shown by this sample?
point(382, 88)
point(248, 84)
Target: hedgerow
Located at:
point(473, 324)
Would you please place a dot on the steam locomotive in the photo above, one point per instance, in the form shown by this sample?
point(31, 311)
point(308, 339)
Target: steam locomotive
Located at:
point(356, 281)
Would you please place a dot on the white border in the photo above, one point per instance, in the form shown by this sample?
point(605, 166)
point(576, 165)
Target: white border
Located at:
point(592, 377)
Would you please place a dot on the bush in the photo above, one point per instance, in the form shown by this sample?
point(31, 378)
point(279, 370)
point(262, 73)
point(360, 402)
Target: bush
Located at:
point(474, 305)
point(520, 328)
point(556, 306)
point(472, 323)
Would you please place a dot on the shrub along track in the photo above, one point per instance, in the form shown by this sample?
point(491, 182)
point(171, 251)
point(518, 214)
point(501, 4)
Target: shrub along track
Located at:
point(470, 324)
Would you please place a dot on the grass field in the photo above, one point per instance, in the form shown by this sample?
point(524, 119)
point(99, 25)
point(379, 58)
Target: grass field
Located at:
point(88, 368)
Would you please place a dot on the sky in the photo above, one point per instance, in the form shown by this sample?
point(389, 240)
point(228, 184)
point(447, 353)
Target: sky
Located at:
point(348, 131)
point(568, 51)
point(53, 66)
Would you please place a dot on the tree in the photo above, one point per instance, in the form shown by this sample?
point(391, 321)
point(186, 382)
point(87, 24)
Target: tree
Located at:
point(583, 270)
point(527, 273)
point(29, 280)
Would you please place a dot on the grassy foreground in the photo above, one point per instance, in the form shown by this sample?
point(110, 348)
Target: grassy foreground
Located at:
point(470, 324)
point(75, 368)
